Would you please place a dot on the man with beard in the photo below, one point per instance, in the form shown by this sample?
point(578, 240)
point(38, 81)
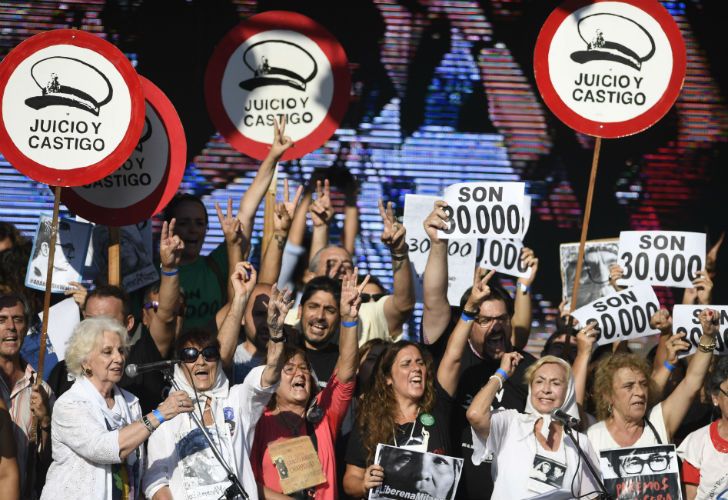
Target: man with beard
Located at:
point(483, 328)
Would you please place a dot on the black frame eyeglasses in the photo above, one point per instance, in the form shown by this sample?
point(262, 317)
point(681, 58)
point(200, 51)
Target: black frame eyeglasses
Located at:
point(633, 464)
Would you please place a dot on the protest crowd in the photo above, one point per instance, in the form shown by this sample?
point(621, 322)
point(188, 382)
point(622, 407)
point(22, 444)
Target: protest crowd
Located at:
point(308, 383)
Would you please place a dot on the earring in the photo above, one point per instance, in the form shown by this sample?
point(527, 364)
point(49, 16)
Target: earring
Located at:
point(87, 372)
point(609, 408)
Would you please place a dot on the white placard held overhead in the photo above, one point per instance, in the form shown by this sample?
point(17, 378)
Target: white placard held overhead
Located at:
point(505, 257)
point(485, 210)
point(685, 319)
point(416, 209)
point(623, 315)
point(62, 320)
point(661, 258)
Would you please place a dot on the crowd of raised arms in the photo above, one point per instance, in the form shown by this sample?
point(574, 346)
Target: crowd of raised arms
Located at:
point(315, 351)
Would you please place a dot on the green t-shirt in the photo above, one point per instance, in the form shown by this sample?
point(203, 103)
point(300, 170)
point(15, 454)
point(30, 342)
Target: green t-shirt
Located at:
point(205, 290)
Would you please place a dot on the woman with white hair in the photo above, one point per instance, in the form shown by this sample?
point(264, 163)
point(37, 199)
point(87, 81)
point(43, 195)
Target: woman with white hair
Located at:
point(98, 428)
point(531, 457)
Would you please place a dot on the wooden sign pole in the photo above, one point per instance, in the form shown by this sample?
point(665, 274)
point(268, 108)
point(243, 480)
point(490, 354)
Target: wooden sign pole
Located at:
point(49, 284)
point(114, 257)
point(585, 224)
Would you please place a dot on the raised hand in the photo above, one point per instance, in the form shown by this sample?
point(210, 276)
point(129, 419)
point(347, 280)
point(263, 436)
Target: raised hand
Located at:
point(528, 257)
point(170, 246)
point(351, 295)
point(510, 361)
point(586, 337)
point(709, 321)
point(78, 292)
point(320, 209)
point(674, 345)
point(279, 304)
point(281, 142)
point(283, 213)
point(393, 234)
point(703, 287)
point(481, 290)
point(437, 220)
point(243, 279)
point(231, 226)
point(662, 321)
point(615, 273)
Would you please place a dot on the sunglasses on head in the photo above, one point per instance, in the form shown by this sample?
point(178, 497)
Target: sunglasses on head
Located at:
point(190, 354)
point(372, 297)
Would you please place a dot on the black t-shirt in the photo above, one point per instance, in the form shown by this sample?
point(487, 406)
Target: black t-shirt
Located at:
point(149, 387)
point(59, 379)
point(476, 482)
point(439, 441)
point(323, 361)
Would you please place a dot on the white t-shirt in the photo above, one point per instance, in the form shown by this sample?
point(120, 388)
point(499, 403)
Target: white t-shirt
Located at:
point(699, 450)
point(601, 439)
point(517, 461)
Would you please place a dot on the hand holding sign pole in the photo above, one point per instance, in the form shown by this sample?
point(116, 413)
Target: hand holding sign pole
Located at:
point(608, 69)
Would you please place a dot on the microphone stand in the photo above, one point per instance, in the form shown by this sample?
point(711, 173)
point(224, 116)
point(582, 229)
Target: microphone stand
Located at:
point(603, 493)
point(235, 490)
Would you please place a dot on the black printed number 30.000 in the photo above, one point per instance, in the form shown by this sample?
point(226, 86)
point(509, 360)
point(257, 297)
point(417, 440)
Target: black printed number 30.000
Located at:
point(664, 268)
point(497, 219)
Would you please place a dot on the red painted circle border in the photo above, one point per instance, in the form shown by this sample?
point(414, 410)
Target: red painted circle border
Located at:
point(613, 129)
point(100, 169)
point(167, 188)
point(278, 20)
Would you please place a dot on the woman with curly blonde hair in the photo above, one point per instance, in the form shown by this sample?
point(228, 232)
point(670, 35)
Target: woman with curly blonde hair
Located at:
point(625, 396)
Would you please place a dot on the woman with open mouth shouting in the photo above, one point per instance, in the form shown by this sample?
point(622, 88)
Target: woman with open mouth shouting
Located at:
point(181, 462)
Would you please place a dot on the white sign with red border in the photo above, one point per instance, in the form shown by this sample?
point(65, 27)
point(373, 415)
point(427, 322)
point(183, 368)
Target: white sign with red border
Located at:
point(147, 180)
point(277, 65)
point(610, 68)
point(72, 107)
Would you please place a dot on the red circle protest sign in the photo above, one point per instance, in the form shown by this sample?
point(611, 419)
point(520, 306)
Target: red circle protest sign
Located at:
point(72, 107)
point(147, 180)
point(277, 65)
point(610, 68)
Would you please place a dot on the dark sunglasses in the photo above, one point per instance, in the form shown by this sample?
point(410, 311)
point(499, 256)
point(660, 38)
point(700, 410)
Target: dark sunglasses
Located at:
point(155, 305)
point(372, 297)
point(190, 354)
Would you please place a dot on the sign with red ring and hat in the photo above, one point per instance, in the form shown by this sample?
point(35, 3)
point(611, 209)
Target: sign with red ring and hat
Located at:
point(277, 65)
point(147, 180)
point(71, 107)
point(610, 68)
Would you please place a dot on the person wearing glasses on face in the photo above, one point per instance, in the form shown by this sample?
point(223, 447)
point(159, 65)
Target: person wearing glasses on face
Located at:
point(705, 452)
point(181, 463)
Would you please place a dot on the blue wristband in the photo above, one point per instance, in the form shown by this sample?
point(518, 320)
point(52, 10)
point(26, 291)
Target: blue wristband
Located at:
point(670, 367)
point(466, 317)
point(158, 415)
point(502, 373)
point(349, 324)
point(169, 273)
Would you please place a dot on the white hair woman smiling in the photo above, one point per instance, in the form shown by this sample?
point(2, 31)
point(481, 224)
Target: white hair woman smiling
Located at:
point(98, 428)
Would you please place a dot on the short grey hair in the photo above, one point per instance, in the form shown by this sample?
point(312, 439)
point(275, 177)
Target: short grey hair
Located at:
point(86, 337)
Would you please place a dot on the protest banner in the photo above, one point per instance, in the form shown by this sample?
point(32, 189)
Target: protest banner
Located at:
point(685, 320)
point(275, 65)
point(623, 315)
point(71, 243)
point(661, 258)
point(505, 257)
point(647, 472)
point(594, 281)
point(461, 254)
point(485, 210)
point(416, 475)
point(297, 464)
point(608, 69)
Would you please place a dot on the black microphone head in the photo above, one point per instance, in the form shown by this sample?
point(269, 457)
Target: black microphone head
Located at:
point(131, 370)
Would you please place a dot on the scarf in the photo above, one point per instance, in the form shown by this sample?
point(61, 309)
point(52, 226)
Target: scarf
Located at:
point(569, 406)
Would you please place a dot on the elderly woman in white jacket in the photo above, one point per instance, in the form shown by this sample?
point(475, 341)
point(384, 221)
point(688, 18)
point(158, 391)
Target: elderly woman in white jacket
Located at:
point(531, 458)
point(98, 429)
point(181, 463)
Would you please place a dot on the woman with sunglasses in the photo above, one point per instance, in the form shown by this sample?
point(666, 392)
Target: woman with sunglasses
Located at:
point(181, 463)
point(705, 452)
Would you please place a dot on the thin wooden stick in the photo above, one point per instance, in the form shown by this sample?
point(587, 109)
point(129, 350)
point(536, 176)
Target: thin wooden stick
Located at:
point(114, 257)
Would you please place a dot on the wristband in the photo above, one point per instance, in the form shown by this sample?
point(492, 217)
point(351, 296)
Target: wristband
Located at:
point(148, 424)
point(399, 256)
point(174, 272)
point(349, 324)
point(467, 316)
point(523, 287)
point(502, 373)
point(499, 379)
point(158, 415)
point(670, 367)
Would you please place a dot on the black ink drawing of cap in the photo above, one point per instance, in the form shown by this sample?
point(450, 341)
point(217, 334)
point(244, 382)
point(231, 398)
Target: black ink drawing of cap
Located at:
point(602, 33)
point(278, 62)
point(65, 81)
point(146, 134)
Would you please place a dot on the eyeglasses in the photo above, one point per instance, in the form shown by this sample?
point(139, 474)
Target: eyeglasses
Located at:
point(633, 464)
point(723, 391)
point(290, 368)
point(190, 354)
point(155, 305)
point(487, 320)
point(372, 297)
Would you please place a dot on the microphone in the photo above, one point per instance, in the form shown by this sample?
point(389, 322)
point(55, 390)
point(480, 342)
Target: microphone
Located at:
point(133, 370)
point(564, 418)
